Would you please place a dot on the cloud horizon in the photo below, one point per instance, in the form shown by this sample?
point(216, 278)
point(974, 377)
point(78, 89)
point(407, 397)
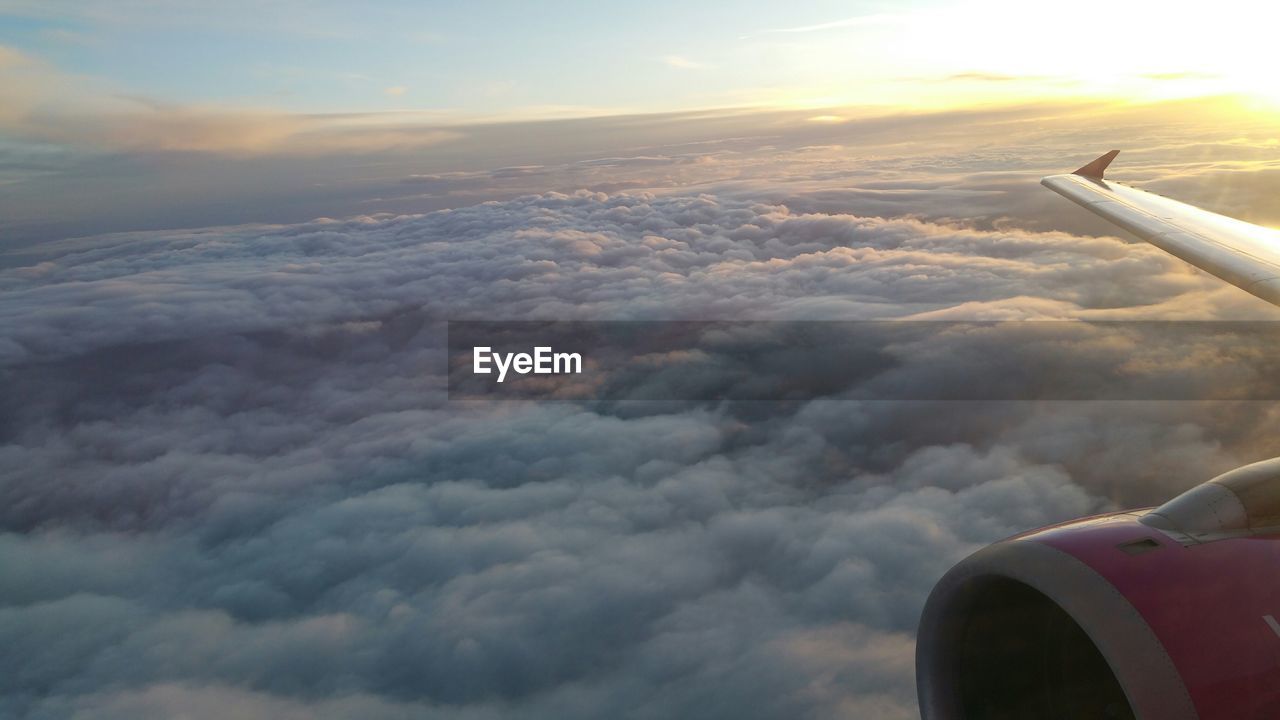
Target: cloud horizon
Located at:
point(232, 480)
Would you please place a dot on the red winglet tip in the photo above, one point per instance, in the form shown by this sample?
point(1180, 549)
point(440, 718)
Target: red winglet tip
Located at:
point(1095, 169)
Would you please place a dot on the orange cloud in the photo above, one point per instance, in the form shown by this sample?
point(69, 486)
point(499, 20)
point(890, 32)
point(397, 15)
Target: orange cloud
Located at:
point(39, 103)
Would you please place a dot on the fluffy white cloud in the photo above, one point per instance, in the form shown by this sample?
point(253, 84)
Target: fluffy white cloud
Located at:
point(231, 479)
point(580, 256)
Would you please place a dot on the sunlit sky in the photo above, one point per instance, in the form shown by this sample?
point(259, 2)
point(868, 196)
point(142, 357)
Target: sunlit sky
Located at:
point(520, 59)
point(125, 114)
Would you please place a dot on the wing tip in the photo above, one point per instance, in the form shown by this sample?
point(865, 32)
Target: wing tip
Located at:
point(1095, 169)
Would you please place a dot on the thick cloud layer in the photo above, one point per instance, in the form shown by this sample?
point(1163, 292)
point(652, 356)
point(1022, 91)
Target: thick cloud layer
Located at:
point(968, 167)
point(231, 483)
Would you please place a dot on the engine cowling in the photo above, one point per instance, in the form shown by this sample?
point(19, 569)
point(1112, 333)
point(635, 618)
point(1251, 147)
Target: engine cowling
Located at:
point(1159, 614)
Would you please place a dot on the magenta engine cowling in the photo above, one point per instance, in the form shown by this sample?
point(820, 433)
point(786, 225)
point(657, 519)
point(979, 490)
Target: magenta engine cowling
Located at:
point(1165, 614)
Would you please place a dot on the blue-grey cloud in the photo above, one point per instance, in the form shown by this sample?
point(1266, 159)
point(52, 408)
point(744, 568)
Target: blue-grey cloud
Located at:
point(230, 481)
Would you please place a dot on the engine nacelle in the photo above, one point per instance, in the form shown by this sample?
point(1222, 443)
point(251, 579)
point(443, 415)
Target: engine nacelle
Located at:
point(1164, 614)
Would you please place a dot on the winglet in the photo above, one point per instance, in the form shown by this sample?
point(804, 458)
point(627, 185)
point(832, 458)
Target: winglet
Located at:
point(1095, 169)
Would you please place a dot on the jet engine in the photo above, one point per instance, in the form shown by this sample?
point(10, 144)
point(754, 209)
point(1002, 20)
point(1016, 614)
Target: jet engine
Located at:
point(1160, 614)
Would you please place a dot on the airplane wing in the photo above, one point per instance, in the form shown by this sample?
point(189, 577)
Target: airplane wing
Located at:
point(1245, 255)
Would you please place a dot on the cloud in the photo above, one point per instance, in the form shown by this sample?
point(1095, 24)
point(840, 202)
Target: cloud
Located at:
point(396, 90)
point(150, 127)
point(965, 167)
point(856, 21)
point(10, 57)
point(1183, 75)
point(40, 104)
point(232, 480)
point(649, 257)
point(23, 83)
point(986, 77)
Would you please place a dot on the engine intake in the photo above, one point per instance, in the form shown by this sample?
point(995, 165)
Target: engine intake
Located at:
point(1023, 630)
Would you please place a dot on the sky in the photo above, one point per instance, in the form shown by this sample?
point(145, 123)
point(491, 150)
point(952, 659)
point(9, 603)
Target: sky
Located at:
point(134, 114)
point(232, 482)
point(520, 59)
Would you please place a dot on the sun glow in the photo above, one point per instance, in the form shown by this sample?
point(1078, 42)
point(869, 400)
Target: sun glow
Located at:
point(992, 51)
point(1135, 50)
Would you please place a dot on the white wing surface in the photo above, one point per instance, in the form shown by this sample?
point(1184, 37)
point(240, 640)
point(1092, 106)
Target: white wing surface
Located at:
point(1245, 255)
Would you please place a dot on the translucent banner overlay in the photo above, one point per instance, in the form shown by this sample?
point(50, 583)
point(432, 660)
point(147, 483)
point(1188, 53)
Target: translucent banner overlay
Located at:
point(889, 360)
